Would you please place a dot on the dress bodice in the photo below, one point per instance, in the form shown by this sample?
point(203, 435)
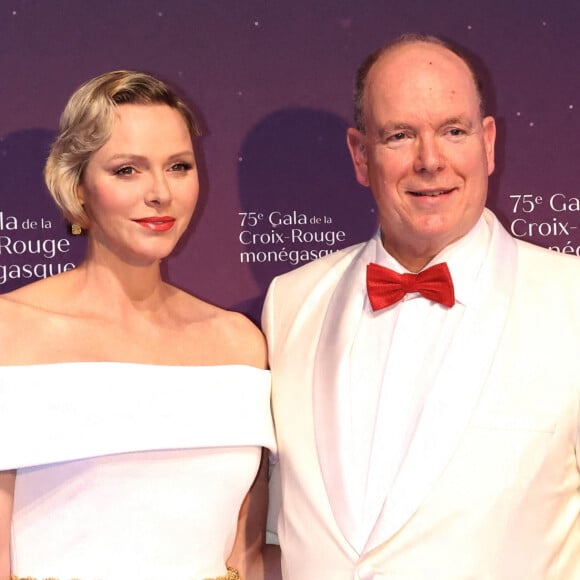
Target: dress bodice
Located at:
point(130, 470)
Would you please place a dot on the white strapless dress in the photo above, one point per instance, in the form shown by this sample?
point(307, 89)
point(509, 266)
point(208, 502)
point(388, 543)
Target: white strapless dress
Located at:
point(130, 471)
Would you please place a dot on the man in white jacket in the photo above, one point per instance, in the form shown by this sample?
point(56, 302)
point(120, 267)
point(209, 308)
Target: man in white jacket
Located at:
point(426, 383)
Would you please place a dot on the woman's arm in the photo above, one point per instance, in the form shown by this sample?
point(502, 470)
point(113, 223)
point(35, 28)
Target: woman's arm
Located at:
point(7, 479)
point(251, 556)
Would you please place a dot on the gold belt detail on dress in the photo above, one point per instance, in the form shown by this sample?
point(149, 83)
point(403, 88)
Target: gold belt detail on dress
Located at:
point(232, 574)
point(31, 578)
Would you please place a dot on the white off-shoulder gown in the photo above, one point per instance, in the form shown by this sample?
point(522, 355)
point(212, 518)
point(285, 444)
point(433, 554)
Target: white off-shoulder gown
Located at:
point(130, 471)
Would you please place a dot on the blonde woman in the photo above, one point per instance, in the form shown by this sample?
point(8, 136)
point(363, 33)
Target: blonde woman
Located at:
point(134, 415)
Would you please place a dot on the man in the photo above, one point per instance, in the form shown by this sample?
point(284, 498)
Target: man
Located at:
point(434, 437)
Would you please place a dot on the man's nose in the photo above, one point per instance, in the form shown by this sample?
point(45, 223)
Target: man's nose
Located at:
point(429, 157)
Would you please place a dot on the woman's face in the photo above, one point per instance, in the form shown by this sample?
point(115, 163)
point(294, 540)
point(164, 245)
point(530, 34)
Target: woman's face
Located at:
point(140, 188)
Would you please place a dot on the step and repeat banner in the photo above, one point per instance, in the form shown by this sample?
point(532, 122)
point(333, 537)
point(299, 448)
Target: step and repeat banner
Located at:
point(271, 82)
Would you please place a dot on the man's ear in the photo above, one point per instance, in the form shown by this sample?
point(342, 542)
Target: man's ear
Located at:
point(489, 132)
point(356, 142)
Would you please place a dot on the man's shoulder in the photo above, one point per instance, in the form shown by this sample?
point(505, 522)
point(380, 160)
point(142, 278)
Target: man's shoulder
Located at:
point(292, 290)
point(541, 258)
point(549, 278)
point(319, 267)
point(303, 294)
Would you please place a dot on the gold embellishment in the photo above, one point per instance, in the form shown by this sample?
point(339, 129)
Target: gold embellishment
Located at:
point(31, 578)
point(76, 230)
point(232, 574)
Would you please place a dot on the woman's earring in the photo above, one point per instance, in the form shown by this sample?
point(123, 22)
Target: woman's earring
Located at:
point(76, 229)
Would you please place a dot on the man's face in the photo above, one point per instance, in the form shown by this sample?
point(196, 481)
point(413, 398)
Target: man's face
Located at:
point(426, 153)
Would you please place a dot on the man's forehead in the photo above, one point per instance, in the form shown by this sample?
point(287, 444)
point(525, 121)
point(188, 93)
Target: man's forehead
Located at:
point(412, 68)
point(415, 58)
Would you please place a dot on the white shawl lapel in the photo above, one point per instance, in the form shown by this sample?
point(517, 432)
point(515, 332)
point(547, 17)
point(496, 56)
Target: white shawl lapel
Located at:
point(331, 369)
point(448, 407)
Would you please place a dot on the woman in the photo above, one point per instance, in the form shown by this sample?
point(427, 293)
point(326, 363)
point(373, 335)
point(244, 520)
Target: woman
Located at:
point(134, 413)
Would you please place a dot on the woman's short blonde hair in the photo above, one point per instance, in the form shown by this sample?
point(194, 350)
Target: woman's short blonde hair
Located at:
point(85, 126)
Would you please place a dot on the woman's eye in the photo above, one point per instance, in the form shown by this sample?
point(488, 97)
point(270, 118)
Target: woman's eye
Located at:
point(125, 170)
point(181, 167)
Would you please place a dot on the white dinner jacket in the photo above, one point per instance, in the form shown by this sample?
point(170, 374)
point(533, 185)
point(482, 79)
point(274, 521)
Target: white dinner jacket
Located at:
point(488, 489)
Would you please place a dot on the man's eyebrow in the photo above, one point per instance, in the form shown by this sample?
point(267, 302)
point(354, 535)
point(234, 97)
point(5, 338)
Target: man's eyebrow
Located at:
point(394, 127)
point(464, 121)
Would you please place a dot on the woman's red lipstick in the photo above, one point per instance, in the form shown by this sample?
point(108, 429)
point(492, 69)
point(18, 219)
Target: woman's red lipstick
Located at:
point(157, 223)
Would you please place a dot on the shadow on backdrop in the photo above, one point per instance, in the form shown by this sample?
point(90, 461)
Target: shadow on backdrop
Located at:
point(34, 238)
point(296, 160)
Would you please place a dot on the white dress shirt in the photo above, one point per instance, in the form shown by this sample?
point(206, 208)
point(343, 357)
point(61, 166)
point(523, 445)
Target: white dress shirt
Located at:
point(396, 354)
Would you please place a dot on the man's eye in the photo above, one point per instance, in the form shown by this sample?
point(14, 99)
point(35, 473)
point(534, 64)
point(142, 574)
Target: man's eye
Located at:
point(455, 132)
point(397, 139)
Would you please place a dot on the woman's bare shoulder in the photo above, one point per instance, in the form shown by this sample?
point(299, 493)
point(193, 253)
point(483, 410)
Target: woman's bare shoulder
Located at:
point(22, 302)
point(234, 337)
point(8, 312)
point(40, 294)
point(27, 318)
point(244, 338)
point(17, 322)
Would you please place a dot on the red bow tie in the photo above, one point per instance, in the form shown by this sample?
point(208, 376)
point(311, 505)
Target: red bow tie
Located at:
point(386, 287)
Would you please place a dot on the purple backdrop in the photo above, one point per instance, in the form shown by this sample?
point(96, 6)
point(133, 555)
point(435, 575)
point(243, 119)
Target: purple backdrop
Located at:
point(273, 82)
